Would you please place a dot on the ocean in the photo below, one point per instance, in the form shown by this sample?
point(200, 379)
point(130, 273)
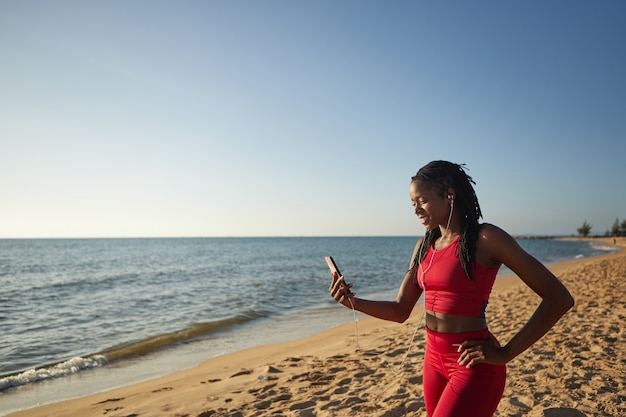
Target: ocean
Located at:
point(78, 316)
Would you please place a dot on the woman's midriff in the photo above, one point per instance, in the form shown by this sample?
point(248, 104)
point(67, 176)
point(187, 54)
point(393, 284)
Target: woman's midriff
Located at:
point(451, 323)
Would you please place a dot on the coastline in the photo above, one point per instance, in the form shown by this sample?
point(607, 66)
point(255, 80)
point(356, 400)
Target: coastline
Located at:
point(577, 367)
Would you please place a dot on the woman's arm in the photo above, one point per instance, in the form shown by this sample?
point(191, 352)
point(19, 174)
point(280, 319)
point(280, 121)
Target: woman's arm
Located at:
point(556, 300)
point(398, 310)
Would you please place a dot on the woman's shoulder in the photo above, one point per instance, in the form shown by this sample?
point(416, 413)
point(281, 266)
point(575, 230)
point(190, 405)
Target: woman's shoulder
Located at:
point(493, 243)
point(487, 231)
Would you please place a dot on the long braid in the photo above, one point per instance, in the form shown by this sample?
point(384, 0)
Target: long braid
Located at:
point(443, 175)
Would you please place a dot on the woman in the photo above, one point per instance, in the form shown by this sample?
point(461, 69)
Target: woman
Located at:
point(455, 264)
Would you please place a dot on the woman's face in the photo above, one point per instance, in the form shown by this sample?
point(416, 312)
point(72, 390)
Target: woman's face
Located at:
point(431, 207)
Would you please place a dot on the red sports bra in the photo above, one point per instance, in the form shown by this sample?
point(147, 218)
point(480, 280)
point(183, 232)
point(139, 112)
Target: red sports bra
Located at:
point(448, 289)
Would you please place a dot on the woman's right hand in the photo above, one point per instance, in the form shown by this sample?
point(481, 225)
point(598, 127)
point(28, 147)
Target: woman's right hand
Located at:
point(340, 291)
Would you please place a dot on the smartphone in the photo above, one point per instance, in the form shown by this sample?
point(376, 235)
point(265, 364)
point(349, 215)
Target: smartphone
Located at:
point(332, 265)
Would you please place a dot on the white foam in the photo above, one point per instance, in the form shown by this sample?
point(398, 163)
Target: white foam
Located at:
point(69, 367)
point(603, 247)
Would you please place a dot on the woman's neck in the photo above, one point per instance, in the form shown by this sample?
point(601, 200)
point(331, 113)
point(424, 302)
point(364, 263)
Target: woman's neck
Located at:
point(446, 240)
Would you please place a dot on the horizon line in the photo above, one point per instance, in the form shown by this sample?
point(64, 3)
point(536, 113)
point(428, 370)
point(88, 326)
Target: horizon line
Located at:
point(516, 235)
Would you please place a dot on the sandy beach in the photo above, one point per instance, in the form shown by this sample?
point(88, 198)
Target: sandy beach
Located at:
point(577, 369)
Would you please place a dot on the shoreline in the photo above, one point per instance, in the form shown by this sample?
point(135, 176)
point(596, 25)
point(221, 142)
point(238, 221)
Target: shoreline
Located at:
point(325, 375)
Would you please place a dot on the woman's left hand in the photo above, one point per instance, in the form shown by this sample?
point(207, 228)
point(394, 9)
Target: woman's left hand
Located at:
point(474, 352)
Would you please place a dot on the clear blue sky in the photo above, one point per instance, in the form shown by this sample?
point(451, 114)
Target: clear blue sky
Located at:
point(293, 118)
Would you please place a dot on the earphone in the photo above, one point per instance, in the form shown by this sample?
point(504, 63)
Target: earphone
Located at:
point(451, 196)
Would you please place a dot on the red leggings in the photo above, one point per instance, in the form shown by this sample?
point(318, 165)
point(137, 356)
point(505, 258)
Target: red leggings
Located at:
point(452, 390)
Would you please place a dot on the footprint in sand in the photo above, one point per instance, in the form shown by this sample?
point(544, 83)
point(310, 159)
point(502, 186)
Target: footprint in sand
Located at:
point(163, 389)
point(210, 381)
point(109, 400)
point(242, 372)
point(563, 412)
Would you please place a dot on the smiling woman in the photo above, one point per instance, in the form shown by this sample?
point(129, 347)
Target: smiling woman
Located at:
point(455, 266)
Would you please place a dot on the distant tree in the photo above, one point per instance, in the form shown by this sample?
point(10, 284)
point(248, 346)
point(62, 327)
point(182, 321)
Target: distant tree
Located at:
point(584, 229)
point(615, 228)
point(622, 228)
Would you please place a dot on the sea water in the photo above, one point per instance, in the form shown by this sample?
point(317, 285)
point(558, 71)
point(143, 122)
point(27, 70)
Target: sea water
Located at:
point(79, 316)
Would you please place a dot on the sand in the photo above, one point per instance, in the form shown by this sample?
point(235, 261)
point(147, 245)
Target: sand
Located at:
point(577, 369)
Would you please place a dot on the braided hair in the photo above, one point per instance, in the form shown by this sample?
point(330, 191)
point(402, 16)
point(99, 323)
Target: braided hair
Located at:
point(442, 175)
